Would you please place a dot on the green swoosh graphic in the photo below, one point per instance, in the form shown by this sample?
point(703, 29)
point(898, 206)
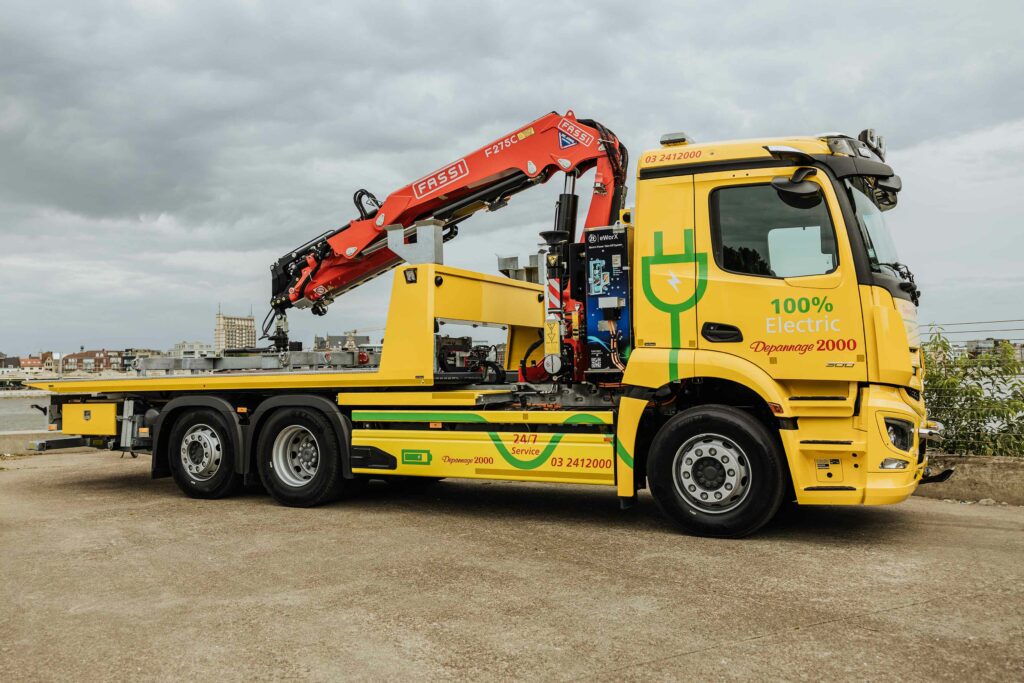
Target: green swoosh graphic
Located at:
point(623, 453)
point(525, 464)
point(582, 418)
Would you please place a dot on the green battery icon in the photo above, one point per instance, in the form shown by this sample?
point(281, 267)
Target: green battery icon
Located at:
point(415, 457)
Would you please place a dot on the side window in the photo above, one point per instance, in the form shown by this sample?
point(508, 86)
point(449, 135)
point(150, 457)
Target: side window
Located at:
point(755, 232)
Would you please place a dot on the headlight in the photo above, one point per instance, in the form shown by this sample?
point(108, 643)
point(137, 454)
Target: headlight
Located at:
point(894, 464)
point(900, 433)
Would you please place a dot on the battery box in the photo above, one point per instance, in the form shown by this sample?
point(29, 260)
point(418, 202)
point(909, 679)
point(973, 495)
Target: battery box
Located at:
point(606, 276)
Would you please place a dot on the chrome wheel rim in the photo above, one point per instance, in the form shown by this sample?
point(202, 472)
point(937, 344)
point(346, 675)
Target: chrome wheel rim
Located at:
point(711, 473)
point(295, 456)
point(201, 452)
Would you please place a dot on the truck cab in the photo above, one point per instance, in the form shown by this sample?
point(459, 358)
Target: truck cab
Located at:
point(765, 276)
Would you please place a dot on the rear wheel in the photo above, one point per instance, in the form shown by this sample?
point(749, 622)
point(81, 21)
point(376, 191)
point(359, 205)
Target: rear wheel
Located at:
point(201, 456)
point(716, 471)
point(299, 457)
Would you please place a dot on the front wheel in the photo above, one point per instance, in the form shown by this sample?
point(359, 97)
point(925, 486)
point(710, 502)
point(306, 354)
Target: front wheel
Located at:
point(716, 471)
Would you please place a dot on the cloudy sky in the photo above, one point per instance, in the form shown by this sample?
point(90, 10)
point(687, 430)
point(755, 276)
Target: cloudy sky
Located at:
point(156, 157)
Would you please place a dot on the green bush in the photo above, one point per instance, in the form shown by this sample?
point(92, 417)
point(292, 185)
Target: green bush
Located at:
point(979, 399)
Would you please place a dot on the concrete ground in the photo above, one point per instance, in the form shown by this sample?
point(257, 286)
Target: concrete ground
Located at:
point(106, 574)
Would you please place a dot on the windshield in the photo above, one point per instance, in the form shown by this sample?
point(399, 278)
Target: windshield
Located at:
point(881, 249)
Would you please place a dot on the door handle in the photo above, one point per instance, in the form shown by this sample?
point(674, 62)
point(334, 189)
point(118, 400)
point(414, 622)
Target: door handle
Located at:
point(720, 332)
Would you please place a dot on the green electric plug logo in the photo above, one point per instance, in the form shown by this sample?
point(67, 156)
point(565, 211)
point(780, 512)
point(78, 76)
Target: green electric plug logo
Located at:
point(659, 258)
point(674, 310)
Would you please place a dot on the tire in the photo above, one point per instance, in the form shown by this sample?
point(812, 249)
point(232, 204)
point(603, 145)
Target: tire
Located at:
point(201, 455)
point(716, 471)
point(299, 459)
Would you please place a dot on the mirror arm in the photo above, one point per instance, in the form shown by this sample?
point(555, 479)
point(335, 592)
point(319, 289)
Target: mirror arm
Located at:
point(803, 174)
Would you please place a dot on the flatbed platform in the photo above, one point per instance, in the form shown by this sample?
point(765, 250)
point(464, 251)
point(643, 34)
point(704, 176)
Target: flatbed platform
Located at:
point(350, 393)
point(281, 379)
point(408, 358)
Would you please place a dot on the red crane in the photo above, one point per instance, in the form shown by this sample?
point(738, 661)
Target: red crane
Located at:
point(313, 275)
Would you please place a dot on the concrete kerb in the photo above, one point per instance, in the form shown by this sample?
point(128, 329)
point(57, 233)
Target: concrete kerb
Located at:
point(999, 479)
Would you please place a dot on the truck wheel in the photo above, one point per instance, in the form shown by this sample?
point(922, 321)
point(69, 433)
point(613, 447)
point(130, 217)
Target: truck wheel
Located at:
point(201, 456)
point(716, 471)
point(299, 458)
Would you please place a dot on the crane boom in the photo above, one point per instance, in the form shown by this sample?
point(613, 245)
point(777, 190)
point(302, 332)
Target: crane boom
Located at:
point(313, 275)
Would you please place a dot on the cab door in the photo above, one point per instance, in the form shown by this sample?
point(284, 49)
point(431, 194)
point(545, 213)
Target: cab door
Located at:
point(781, 287)
point(668, 272)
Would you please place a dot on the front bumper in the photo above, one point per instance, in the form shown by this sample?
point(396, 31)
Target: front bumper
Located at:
point(851, 460)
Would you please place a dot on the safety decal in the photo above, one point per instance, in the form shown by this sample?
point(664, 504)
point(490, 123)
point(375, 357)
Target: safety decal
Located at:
point(525, 133)
point(565, 141)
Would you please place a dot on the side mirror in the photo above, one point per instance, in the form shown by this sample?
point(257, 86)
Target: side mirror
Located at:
point(797, 191)
point(886, 190)
point(891, 184)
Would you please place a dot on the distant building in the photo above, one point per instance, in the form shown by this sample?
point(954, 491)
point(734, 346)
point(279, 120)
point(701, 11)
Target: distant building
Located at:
point(9, 361)
point(977, 347)
point(95, 360)
point(30, 363)
point(973, 348)
point(234, 332)
point(194, 349)
point(51, 361)
point(957, 351)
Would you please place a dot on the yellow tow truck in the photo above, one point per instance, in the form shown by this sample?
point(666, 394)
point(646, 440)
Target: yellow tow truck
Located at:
point(743, 337)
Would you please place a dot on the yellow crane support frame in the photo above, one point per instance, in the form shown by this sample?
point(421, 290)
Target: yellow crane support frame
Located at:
point(420, 294)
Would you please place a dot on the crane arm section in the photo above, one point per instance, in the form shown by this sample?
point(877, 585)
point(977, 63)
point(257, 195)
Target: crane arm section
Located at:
point(335, 262)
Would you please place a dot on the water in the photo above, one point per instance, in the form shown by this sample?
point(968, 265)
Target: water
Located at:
point(17, 414)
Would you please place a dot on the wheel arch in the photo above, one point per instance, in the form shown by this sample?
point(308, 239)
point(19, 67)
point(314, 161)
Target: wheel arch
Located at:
point(739, 371)
point(173, 411)
point(691, 392)
point(340, 423)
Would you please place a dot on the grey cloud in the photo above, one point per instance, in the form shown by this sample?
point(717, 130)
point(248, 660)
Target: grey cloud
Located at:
point(155, 157)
